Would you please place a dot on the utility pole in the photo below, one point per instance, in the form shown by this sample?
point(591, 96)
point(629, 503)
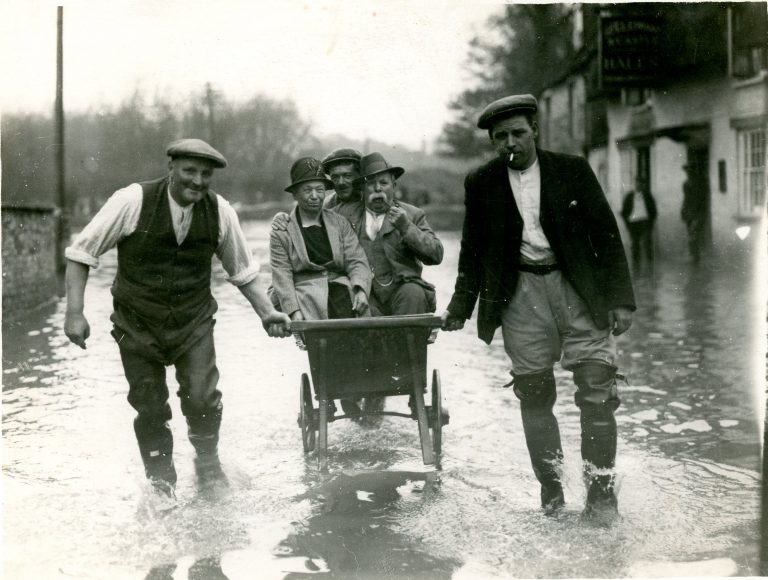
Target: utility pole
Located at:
point(210, 100)
point(63, 206)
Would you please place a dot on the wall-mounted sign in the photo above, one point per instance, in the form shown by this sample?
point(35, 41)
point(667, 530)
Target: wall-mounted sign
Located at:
point(629, 50)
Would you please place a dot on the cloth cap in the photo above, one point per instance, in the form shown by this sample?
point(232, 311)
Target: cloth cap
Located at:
point(374, 163)
point(195, 148)
point(506, 107)
point(307, 169)
point(344, 155)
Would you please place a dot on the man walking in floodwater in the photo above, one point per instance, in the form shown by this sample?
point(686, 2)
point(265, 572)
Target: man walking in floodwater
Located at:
point(693, 212)
point(166, 232)
point(541, 250)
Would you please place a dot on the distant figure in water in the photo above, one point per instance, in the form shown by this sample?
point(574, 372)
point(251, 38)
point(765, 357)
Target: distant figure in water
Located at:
point(639, 213)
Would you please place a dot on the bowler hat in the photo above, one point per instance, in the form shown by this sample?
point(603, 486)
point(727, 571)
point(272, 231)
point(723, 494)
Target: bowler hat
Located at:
point(344, 155)
point(195, 148)
point(307, 169)
point(374, 163)
point(506, 107)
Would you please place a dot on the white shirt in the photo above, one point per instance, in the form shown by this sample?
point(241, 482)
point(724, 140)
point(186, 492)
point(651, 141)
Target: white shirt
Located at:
point(119, 217)
point(373, 223)
point(639, 210)
point(526, 187)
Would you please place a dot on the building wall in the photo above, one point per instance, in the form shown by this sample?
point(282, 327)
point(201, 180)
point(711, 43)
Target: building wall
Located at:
point(713, 103)
point(562, 117)
point(29, 259)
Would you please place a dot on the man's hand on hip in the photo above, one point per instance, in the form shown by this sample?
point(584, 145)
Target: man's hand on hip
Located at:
point(76, 328)
point(619, 320)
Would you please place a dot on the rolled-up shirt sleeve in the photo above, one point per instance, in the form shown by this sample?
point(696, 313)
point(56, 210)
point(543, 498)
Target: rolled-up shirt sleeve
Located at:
point(233, 250)
point(117, 219)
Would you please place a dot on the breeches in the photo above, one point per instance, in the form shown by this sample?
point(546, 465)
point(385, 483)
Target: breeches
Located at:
point(547, 321)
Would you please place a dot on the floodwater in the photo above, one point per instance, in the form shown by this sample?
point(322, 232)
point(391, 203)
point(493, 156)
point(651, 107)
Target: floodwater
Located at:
point(75, 504)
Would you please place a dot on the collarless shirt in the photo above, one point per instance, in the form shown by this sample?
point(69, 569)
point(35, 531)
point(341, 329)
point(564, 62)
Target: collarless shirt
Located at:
point(526, 188)
point(181, 217)
point(639, 209)
point(119, 217)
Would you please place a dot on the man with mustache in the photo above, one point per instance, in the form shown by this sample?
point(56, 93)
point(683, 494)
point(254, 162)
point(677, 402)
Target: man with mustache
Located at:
point(541, 251)
point(166, 232)
point(396, 238)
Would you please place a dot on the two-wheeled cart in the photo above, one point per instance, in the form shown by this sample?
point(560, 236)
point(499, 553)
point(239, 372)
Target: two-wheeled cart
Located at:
point(350, 358)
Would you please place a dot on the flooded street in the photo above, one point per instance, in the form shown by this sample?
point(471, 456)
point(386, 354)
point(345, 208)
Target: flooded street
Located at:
point(75, 503)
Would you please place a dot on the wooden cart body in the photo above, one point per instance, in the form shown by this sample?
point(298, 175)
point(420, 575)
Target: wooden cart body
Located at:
point(369, 357)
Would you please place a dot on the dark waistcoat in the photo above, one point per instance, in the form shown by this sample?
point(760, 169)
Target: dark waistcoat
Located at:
point(374, 250)
point(166, 284)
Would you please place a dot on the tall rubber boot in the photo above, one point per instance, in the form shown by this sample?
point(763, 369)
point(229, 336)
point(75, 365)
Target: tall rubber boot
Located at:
point(156, 447)
point(537, 393)
point(597, 398)
point(203, 433)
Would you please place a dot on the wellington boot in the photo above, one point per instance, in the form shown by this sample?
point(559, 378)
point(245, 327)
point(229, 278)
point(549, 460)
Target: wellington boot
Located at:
point(163, 496)
point(209, 472)
point(602, 509)
point(552, 498)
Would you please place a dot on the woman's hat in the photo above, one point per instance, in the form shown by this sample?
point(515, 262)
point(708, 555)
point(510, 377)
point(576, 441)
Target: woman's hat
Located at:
point(307, 169)
point(374, 163)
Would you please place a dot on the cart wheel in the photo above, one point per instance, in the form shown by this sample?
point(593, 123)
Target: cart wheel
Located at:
point(437, 416)
point(306, 412)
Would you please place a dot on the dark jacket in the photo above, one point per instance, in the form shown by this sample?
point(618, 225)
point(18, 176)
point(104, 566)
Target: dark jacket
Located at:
point(579, 225)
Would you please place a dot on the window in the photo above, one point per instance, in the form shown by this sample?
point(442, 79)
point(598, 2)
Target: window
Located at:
point(751, 172)
point(749, 27)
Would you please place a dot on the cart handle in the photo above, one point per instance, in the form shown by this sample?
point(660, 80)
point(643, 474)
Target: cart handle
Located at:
point(403, 321)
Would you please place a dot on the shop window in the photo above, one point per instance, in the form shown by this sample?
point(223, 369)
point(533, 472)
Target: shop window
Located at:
point(751, 172)
point(749, 27)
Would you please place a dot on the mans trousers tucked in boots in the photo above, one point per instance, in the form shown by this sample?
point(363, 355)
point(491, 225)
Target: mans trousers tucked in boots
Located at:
point(537, 396)
point(597, 399)
point(198, 377)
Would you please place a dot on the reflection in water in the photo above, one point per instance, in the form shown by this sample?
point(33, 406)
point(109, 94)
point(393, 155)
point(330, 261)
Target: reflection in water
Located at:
point(353, 532)
point(690, 360)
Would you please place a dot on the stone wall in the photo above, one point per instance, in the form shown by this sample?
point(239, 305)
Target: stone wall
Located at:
point(29, 259)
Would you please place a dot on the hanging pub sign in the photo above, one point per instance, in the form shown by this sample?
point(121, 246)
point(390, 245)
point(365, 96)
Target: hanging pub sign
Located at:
point(629, 50)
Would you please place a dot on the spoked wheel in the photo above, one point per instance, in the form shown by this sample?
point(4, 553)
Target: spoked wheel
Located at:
point(438, 417)
point(306, 412)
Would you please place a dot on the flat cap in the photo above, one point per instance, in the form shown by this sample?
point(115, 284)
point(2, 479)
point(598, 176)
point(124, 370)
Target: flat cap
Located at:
point(195, 148)
point(344, 155)
point(505, 107)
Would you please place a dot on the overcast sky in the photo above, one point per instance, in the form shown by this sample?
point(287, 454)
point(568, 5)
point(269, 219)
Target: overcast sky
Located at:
point(364, 68)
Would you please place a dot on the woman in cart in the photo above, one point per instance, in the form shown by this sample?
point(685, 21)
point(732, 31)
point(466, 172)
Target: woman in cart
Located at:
point(319, 269)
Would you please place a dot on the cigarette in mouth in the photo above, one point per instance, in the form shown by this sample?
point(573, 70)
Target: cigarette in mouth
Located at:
point(511, 157)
